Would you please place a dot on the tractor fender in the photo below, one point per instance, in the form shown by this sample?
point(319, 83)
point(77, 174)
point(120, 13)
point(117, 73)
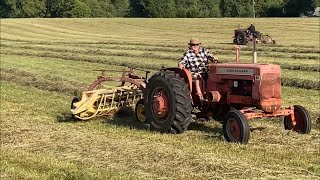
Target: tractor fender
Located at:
point(184, 73)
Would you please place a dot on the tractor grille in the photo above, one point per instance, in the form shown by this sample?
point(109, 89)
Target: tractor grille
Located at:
point(270, 86)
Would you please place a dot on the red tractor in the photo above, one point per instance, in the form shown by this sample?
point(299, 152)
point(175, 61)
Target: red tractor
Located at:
point(233, 93)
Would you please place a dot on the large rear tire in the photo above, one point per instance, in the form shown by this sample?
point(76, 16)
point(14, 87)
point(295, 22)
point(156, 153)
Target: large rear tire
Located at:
point(168, 103)
point(302, 118)
point(236, 127)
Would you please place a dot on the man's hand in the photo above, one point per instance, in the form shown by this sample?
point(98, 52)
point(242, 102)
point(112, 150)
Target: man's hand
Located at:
point(181, 66)
point(214, 59)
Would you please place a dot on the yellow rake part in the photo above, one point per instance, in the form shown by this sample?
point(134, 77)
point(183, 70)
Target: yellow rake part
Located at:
point(105, 101)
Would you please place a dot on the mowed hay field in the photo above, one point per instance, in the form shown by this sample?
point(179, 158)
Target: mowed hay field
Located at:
point(45, 61)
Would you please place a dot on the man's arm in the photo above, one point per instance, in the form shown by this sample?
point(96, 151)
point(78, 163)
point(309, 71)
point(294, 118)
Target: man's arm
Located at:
point(183, 62)
point(209, 56)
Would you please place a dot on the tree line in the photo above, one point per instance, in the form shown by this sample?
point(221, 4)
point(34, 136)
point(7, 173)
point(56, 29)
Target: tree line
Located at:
point(154, 8)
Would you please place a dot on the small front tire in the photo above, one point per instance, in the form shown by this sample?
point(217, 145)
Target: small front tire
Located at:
point(302, 118)
point(236, 127)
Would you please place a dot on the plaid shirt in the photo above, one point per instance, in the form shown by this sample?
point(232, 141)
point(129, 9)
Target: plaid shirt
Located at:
point(196, 62)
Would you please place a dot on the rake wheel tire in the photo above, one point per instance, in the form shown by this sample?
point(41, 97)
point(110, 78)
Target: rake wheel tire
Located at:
point(74, 100)
point(236, 127)
point(139, 111)
point(302, 118)
point(177, 93)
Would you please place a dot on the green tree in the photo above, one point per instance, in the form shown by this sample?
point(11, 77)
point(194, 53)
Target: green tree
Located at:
point(215, 9)
point(267, 8)
point(22, 8)
point(189, 8)
point(159, 8)
point(68, 8)
point(294, 8)
point(193, 11)
point(122, 7)
point(80, 9)
point(136, 9)
point(228, 8)
point(210, 8)
point(7, 9)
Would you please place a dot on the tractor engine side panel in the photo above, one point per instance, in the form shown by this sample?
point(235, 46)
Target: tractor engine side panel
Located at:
point(270, 88)
point(247, 84)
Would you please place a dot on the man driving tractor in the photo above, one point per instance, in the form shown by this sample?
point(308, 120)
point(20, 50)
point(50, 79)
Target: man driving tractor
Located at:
point(195, 59)
point(251, 29)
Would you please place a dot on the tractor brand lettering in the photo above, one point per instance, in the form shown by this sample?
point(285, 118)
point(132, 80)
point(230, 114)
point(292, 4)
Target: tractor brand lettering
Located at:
point(235, 71)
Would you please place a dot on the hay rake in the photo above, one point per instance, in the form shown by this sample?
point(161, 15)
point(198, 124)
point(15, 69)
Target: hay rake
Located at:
point(100, 101)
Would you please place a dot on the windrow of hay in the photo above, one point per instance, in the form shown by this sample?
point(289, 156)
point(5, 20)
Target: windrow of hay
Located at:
point(49, 83)
point(148, 46)
point(177, 51)
point(301, 83)
point(286, 62)
point(287, 81)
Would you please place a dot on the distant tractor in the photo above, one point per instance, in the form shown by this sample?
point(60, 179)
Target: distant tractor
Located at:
point(233, 93)
point(243, 37)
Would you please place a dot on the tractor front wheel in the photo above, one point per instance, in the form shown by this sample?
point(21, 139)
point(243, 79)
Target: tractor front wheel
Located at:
point(302, 118)
point(236, 127)
point(168, 103)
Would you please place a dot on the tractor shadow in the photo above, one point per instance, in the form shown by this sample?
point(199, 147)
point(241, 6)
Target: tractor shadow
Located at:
point(212, 132)
point(227, 43)
point(125, 117)
point(66, 117)
point(215, 131)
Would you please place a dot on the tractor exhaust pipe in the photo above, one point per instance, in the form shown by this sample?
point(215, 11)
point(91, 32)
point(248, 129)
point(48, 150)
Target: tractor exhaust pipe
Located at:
point(237, 53)
point(254, 54)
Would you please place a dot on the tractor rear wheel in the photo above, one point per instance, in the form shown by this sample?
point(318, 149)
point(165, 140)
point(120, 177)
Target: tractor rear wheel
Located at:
point(236, 127)
point(140, 111)
point(168, 103)
point(302, 118)
point(241, 38)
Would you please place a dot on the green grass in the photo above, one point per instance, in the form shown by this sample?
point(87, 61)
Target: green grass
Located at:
point(45, 61)
point(40, 143)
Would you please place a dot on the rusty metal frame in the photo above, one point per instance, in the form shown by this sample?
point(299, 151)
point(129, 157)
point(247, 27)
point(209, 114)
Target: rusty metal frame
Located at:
point(252, 113)
point(127, 76)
